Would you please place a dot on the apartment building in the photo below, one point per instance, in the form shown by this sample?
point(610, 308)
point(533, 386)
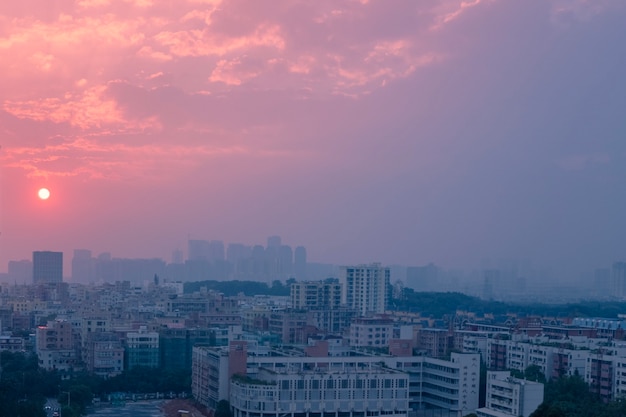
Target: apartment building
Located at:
point(510, 397)
point(55, 347)
point(371, 332)
point(313, 295)
point(365, 288)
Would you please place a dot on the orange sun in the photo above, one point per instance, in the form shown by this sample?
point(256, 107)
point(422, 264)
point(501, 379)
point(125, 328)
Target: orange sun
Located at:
point(43, 193)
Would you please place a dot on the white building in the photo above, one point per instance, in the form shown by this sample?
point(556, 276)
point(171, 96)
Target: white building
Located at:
point(365, 287)
point(315, 295)
point(432, 383)
point(376, 391)
point(209, 376)
point(371, 332)
point(508, 396)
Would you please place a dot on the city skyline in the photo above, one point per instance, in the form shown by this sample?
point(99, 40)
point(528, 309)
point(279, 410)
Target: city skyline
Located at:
point(403, 133)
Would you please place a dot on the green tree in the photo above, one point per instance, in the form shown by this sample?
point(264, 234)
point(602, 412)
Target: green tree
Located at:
point(223, 409)
point(569, 396)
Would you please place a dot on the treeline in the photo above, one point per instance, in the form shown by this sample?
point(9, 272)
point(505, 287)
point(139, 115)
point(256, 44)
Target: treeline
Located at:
point(439, 305)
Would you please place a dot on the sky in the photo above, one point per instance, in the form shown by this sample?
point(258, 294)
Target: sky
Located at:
point(398, 131)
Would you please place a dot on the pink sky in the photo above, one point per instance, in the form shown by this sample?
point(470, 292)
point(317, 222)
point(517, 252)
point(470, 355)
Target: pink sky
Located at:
point(398, 131)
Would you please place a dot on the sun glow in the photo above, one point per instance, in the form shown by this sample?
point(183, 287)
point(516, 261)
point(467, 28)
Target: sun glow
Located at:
point(43, 193)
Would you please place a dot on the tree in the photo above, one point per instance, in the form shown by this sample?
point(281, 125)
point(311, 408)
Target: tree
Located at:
point(223, 409)
point(569, 396)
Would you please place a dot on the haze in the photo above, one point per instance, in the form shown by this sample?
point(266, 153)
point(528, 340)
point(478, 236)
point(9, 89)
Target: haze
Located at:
point(404, 132)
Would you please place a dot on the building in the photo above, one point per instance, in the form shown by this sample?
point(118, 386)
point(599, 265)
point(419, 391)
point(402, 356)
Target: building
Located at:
point(365, 288)
point(299, 263)
point(600, 373)
point(618, 274)
point(510, 397)
point(290, 325)
point(176, 345)
point(287, 382)
point(104, 354)
point(374, 391)
point(207, 386)
point(311, 295)
point(56, 348)
point(437, 343)
point(83, 266)
point(371, 332)
point(47, 267)
point(422, 278)
point(142, 349)
point(20, 271)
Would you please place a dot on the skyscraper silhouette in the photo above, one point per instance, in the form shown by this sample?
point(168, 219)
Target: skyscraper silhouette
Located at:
point(47, 267)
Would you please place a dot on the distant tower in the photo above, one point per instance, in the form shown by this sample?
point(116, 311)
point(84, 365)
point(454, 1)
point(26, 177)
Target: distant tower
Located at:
point(619, 279)
point(198, 250)
point(274, 242)
point(300, 263)
point(47, 267)
point(20, 271)
point(365, 287)
point(83, 266)
point(177, 257)
point(491, 278)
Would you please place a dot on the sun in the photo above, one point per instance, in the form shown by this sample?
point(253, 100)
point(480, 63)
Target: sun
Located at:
point(43, 193)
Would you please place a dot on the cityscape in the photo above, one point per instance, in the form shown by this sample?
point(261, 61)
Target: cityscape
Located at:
point(329, 208)
point(504, 280)
point(343, 345)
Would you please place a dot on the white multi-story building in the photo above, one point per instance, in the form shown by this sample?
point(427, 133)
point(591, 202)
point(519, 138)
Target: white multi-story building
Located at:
point(431, 383)
point(315, 295)
point(376, 391)
point(365, 287)
point(209, 376)
point(510, 397)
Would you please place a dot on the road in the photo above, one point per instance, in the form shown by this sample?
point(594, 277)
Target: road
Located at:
point(51, 405)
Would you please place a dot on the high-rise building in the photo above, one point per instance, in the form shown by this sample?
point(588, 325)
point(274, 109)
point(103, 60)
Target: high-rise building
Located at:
point(619, 279)
point(299, 263)
point(365, 287)
point(204, 250)
point(177, 257)
point(422, 278)
point(20, 271)
point(274, 242)
point(47, 267)
point(83, 266)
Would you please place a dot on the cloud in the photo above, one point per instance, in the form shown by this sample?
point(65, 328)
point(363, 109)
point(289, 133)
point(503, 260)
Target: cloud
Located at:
point(566, 11)
point(212, 73)
point(87, 109)
point(91, 158)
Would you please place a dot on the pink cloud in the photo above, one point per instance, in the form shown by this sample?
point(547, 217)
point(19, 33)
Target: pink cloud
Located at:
point(204, 71)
